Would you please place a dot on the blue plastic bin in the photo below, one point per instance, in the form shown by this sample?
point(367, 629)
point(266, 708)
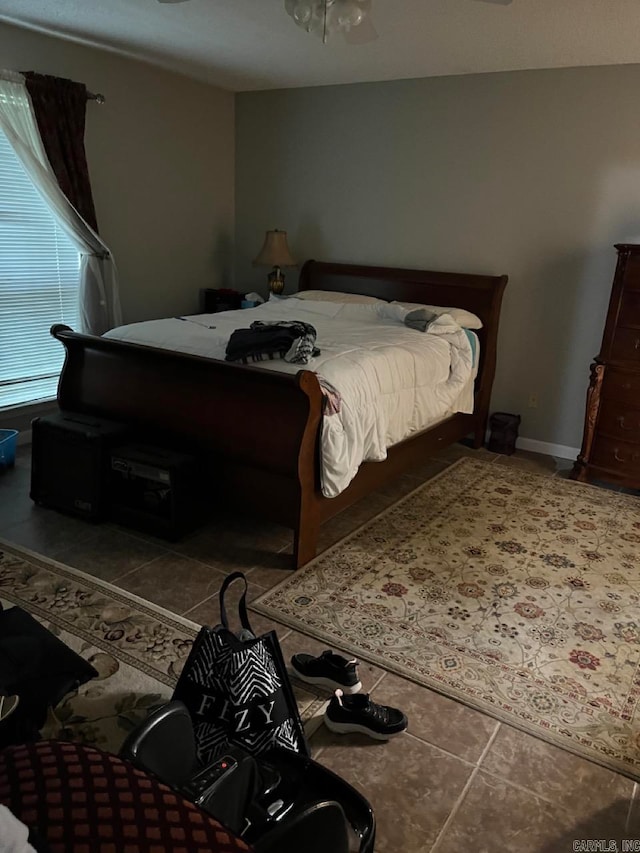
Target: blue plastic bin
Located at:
point(8, 441)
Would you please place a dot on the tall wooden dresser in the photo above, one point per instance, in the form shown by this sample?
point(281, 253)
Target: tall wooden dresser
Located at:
point(611, 442)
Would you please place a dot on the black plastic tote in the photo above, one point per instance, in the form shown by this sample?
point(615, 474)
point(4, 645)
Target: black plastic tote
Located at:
point(237, 689)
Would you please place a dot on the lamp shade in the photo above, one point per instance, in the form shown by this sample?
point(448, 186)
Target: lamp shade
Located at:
point(275, 251)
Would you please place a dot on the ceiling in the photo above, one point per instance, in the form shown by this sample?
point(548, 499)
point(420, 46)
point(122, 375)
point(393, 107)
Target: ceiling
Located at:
point(252, 44)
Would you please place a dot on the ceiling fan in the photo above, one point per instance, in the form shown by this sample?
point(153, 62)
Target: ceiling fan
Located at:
point(351, 18)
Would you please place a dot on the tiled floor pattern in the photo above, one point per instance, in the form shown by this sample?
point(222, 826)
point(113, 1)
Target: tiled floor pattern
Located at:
point(458, 780)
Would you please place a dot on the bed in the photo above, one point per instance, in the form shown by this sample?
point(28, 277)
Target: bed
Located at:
point(259, 431)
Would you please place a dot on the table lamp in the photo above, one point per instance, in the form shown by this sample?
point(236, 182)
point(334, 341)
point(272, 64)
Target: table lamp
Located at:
point(275, 253)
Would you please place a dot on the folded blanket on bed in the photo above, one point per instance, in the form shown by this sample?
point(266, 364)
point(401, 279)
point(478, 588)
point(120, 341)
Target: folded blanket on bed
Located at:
point(292, 340)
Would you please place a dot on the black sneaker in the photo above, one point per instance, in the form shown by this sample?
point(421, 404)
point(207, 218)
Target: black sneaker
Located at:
point(328, 670)
point(346, 714)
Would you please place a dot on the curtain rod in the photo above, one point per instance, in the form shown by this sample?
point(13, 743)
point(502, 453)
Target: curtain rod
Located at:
point(17, 77)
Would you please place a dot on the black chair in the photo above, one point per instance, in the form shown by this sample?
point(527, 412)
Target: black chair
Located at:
point(280, 803)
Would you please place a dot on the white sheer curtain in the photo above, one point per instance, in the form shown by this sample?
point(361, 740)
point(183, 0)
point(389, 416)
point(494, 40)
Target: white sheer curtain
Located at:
point(98, 293)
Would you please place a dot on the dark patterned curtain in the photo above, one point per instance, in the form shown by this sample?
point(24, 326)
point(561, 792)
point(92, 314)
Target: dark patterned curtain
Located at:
point(60, 108)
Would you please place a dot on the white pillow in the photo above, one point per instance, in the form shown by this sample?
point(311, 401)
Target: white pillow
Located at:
point(462, 317)
point(335, 296)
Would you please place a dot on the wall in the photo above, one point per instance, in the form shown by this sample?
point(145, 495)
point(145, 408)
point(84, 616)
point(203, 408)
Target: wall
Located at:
point(534, 174)
point(160, 154)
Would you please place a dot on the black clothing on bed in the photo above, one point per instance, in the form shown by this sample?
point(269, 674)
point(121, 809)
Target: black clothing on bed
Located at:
point(291, 340)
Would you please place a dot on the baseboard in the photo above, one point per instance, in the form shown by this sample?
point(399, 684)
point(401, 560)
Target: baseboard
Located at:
point(563, 451)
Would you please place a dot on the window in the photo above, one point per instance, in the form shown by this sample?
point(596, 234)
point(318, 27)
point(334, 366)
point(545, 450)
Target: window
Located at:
point(39, 278)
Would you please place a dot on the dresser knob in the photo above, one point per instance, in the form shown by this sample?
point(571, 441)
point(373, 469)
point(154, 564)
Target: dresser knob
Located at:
point(617, 457)
point(621, 423)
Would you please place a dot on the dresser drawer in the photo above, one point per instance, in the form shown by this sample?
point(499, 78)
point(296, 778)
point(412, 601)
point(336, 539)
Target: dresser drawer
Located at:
point(626, 345)
point(619, 421)
point(622, 386)
point(632, 272)
point(616, 455)
point(630, 309)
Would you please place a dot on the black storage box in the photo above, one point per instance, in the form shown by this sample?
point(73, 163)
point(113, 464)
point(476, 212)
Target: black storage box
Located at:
point(156, 490)
point(70, 462)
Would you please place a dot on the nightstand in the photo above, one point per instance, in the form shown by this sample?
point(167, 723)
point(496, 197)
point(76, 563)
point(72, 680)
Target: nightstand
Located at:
point(214, 299)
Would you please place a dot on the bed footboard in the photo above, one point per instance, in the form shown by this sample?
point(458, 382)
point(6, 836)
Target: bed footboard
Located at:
point(258, 429)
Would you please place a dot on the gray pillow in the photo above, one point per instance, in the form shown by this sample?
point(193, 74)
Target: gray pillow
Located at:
point(420, 319)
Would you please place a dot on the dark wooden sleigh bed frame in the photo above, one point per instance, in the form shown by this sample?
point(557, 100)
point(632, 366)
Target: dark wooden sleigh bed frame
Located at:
point(257, 429)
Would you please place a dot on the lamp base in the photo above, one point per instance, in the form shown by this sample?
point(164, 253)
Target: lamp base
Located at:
point(276, 281)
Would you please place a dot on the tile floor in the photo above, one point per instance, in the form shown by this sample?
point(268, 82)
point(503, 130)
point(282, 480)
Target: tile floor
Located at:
point(458, 780)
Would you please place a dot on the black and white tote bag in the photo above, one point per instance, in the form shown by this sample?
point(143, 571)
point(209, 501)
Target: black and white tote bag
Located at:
point(237, 689)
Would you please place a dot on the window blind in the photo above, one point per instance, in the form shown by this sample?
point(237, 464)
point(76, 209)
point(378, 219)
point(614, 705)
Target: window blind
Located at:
point(39, 278)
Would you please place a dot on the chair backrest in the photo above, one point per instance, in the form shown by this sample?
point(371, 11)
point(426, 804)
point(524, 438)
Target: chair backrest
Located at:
point(318, 828)
point(164, 744)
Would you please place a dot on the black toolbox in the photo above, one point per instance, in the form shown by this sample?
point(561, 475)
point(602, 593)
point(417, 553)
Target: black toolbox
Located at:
point(70, 456)
point(156, 490)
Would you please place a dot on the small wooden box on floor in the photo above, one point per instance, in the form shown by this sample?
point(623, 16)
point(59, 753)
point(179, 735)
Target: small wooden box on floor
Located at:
point(611, 442)
point(156, 490)
point(69, 462)
point(81, 466)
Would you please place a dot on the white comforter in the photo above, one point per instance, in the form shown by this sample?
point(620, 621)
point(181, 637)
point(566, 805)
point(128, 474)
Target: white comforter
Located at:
point(393, 380)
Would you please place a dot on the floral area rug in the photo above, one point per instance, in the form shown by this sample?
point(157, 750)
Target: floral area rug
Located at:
point(515, 593)
point(138, 649)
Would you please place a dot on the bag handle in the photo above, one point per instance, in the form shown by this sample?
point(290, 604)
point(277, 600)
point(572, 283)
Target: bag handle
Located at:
point(242, 604)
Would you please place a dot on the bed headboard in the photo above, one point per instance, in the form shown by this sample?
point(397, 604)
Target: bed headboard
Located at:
point(481, 294)
point(477, 293)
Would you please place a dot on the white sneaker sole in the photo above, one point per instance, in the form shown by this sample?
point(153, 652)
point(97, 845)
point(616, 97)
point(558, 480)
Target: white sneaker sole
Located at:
point(348, 728)
point(326, 682)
